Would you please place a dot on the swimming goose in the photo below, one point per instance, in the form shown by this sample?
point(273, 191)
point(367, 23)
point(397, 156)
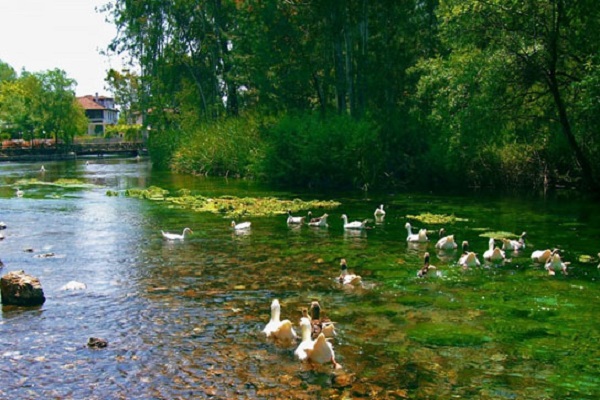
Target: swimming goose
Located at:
point(346, 277)
point(353, 224)
point(306, 341)
point(415, 237)
point(541, 256)
point(379, 212)
point(241, 225)
point(175, 236)
point(446, 242)
point(514, 245)
point(19, 192)
point(320, 323)
point(426, 266)
point(555, 263)
point(294, 220)
point(281, 331)
point(318, 221)
point(494, 254)
point(321, 352)
point(468, 259)
point(42, 169)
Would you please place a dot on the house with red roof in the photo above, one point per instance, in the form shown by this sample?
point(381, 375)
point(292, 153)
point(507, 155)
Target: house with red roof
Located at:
point(100, 111)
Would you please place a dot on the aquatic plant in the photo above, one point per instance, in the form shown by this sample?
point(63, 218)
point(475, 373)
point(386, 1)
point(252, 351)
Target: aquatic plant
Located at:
point(439, 219)
point(231, 206)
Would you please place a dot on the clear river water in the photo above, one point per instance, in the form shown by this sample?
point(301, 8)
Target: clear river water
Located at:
point(183, 319)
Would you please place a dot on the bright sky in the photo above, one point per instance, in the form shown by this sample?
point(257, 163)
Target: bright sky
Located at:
point(41, 35)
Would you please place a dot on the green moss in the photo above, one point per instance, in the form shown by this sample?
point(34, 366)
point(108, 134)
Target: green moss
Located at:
point(67, 183)
point(433, 219)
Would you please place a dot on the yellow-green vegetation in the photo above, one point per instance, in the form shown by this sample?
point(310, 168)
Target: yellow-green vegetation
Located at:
point(433, 219)
point(498, 235)
point(63, 182)
point(230, 206)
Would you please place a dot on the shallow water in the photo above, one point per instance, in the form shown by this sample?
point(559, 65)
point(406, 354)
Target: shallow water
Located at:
point(184, 319)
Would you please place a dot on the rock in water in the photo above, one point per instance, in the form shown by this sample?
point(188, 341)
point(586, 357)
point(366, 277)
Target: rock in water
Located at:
point(18, 288)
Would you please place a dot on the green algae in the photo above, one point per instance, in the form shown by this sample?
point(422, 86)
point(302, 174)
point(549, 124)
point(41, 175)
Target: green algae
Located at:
point(436, 219)
point(437, 334)
point(63, 182)
point(231, 206)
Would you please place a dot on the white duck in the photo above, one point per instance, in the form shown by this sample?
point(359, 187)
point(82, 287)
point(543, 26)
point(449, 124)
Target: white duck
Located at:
point(555, 263)
point(514, 245)
point(346, 277)
point(468, 259)
point(175, 236)
point(281, 331)
point(318, 221)
point(426, 266)
point(241, 226)
point(353, 224)
point(420, 237)
point(446, 242)
point(379, 213)
point(291, 220)
point(541, 256)
point(494, 254)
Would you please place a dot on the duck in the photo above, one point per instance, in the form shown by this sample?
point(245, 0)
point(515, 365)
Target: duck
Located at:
point(19, 192)
point(241, 226)
point(541, 256)
point(319, 322)
point(446, 242)
point(353, 224)
point(379, 213)
point(426, 266)
point(175, 236)
point(346, 277)
point(555, 263)
point(468, 259)
point(281, 331)
point(416, 237)
point(318, 221)
point(494, 254)
point(294, 220)
point(514, 245)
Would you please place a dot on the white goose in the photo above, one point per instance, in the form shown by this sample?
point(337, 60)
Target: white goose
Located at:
point(19, 192)
point(514, 245)
point(353, 224)
point(446, 242)
point(347, 278)
point(281, 331)
point(175, 236)
point(320, 222)
point(494, 254)
point(541, 256)
point(291, 220)
point(468, 259)
point(319, 351)
point(306, 340)
point(379, 213)
point(241, 226)
point(420, 237)
point(42, 169)
point(426, 266)
point(555, 263)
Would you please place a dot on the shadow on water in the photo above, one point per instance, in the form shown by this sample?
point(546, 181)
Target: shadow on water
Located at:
point(184, 318)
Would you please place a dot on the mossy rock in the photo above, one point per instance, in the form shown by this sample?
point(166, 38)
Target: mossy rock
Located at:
point(436, 334)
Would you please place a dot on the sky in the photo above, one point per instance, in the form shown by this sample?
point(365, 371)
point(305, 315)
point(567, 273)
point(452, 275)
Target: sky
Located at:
point(41, 35)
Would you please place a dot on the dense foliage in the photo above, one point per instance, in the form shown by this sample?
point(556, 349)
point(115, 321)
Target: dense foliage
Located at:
point(468, 92)
point(39, 106)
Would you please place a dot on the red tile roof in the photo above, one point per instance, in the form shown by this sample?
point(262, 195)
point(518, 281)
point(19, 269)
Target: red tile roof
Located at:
point(88, 103)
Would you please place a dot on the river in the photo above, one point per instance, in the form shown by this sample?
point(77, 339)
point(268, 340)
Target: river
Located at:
point(183, 319)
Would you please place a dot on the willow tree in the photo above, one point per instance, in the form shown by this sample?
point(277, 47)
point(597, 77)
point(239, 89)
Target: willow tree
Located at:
point(520, 71)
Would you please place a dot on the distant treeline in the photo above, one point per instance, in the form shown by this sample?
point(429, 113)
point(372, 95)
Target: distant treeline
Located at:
point(359, 93)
